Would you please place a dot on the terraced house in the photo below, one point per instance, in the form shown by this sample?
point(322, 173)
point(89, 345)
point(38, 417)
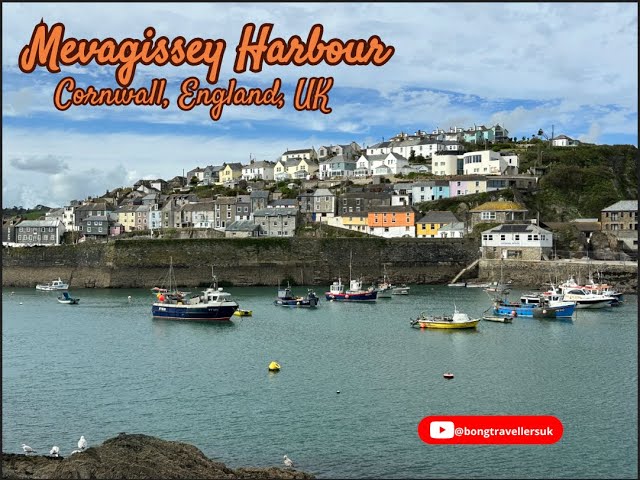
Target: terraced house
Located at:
point(392, 222)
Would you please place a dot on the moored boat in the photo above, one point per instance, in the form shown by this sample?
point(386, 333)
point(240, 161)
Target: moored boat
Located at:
point(214, 304)
point(400, 290)
point(495, 318)
point(355, 292)
point(53, 285)
point(286, 298)
point(67, 299)
point(384, 289)
point(243, 313)
point(584, 299)
point(457, 320)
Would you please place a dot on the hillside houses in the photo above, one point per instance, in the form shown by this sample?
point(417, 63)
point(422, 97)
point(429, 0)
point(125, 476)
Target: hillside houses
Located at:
point(219, 197)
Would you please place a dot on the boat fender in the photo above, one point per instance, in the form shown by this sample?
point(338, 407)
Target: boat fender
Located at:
point(544, 312)
point(514, 313)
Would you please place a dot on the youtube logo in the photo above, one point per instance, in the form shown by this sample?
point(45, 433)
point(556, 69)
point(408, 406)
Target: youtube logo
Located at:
point(441, 429)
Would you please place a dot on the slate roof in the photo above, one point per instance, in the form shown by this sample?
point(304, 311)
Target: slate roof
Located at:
point(622, 206)
point(438, 216)
point(39, 223)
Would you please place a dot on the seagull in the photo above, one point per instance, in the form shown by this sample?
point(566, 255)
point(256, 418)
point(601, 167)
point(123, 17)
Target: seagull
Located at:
point(54, 451)
point(288, 462)
point(27, 449)
point(82, 443)
point(75, 451)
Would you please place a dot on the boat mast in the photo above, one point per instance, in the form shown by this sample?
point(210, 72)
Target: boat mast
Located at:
point(350, 258)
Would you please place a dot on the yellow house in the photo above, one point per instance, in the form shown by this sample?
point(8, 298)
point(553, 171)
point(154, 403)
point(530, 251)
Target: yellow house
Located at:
point(428, 226)
point(127, 217)
point(355, 221)
point(230, 172)
point(301, 168)
point(280, 170)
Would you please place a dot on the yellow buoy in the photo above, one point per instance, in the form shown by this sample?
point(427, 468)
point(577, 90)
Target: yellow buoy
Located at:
point(274, 367)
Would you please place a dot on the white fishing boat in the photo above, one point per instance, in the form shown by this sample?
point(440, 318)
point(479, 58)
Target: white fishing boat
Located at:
point(53, 285)
point(385, 288)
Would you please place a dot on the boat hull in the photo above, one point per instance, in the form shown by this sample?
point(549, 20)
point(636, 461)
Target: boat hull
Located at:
point(205, 312)
point(296, 303)
point(352, 297)
point(533, 310)
point(593, 304)
point(447, 325)
point(69, 302)
point(384, 293)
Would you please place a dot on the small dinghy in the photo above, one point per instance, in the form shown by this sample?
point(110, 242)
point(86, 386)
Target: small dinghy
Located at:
point(67, 299)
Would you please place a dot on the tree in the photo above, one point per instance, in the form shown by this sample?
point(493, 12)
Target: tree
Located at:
point(194, 180)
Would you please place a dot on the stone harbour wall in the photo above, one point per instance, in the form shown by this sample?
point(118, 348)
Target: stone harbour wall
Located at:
point(238, 261)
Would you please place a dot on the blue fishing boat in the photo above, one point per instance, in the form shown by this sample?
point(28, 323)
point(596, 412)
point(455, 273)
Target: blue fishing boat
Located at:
point(286, 298)
point(540, 309)
point(214, 304)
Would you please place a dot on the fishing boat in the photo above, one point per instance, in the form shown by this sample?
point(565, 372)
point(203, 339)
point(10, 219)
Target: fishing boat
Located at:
point(53, 285)
point(67, 299)
point(286, 298)
point(213, 304)
point(541, 309)
point(355, 292)
point(457, 320)
point(384, 289)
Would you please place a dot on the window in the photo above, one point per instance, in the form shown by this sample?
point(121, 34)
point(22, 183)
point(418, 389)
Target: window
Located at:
point(503, 237)
point(529, 237)
point(488, 215)
point(88, 229)
point(484, 237)
point(535, 237)
point(517, 237)
point(42, 229)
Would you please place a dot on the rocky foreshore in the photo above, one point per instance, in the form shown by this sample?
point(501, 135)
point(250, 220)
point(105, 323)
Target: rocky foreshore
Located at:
point(135, 456)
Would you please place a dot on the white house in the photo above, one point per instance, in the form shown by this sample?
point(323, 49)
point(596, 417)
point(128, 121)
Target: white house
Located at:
point(391, 164)
point(451, 230)
point(484, 162)
point(445, 163)
point(564, 141)
point(524, 241)
point(364, 165)
point(258, 171)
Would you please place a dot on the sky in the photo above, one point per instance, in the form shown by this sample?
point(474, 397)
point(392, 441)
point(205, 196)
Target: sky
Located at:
point(570, 67)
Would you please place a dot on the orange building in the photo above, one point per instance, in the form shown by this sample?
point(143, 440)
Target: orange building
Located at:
point(389, 222)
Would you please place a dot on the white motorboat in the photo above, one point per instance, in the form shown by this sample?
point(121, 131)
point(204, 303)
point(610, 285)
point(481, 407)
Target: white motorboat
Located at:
point(53, 285)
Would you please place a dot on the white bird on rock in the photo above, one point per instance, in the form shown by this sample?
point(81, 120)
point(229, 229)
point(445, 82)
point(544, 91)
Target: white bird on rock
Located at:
point(27, 449)
point(288, 462)
point(82, 443)
point(54, 451)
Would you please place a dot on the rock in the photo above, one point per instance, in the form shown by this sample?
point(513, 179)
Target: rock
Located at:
point(135, 456)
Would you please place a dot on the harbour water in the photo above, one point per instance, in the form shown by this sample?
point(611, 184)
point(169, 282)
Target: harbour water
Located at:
point(105, 366)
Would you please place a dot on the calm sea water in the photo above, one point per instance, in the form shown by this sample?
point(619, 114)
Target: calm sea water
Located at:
point(105, 366)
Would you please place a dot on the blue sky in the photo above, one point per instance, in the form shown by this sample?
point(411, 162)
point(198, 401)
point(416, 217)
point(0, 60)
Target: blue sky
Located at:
point(525, 66)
